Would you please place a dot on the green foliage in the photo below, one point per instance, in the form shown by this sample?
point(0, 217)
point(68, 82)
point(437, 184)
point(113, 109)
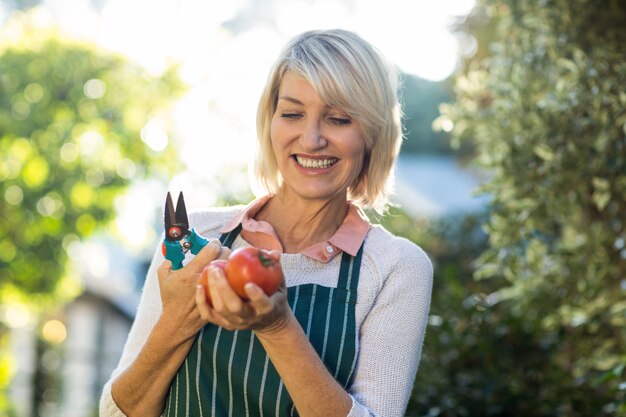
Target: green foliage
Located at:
point(71, 118)
point(480, 358)
point(545, 111)
point(6, 370)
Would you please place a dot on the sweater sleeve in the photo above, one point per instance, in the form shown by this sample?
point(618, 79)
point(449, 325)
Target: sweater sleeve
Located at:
point(148, 313)
point(392, 335)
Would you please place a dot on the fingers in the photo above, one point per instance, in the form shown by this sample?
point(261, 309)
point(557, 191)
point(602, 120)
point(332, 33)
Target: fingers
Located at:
point(211, 251)
point(166, 266)
point(225, 253)
point(261, 303)
point(214, 274)
point(164, 269)
point(226, 302)
point(222, 295)
point(202, 304)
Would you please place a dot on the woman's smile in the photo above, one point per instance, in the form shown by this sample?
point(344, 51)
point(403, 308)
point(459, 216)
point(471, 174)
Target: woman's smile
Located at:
point(315, 163)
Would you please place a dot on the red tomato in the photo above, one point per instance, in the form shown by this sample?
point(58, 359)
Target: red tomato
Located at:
point(254, 265)
point(204, 277)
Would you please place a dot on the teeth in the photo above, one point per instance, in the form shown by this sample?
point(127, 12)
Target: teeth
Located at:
point(315, 163)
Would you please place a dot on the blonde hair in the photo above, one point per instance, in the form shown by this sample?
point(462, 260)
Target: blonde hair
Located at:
point(350, 74)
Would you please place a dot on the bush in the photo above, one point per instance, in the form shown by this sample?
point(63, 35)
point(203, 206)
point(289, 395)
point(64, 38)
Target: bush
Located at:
point(481, 357)
point(545, 111)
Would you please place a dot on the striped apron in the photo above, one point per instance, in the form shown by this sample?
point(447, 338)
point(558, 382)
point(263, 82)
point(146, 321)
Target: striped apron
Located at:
point(228, 373)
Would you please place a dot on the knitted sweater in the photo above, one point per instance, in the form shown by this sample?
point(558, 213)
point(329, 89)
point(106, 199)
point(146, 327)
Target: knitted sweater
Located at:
point(393, 299)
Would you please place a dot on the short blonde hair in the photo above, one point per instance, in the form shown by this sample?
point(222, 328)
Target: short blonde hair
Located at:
point(350, 74)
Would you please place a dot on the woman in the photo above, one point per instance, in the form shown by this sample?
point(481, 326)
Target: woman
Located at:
point(343, 335)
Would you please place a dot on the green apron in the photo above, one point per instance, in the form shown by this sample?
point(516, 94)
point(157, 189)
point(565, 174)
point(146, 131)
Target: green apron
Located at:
point(228, 373)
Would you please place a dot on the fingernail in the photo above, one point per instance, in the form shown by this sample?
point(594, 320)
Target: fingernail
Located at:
point(250, 287)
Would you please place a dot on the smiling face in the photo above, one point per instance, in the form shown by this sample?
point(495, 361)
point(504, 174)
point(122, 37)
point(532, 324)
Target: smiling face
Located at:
point(319, 149)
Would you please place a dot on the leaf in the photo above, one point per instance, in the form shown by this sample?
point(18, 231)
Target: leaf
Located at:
point(600, 184)
point(35, 172)
point(602, 194)
point(601, 199)
point(544, 152)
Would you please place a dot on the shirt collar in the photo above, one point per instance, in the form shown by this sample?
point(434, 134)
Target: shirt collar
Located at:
point(348, 237)
point(248, 212)
point(352, 231)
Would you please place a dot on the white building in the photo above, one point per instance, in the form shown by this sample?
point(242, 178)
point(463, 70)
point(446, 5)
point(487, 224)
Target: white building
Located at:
point(62, 372)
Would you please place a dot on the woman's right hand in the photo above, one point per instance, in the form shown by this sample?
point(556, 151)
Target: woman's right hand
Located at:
point(178, 290)
point(260, 312)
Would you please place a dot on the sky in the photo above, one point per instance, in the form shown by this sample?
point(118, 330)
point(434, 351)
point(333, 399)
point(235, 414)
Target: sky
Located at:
point(225, 50)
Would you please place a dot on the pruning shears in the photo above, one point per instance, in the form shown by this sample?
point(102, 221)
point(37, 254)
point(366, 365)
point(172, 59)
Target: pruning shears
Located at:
point(178, 238)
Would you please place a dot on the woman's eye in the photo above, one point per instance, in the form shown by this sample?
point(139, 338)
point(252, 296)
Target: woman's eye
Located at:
point(340, 120)
point(290, 115)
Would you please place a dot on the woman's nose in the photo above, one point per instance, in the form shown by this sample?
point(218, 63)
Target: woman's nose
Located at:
point(312, 137)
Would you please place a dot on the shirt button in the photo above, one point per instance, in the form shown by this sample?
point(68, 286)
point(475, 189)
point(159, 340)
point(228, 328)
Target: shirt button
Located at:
point(329, 249)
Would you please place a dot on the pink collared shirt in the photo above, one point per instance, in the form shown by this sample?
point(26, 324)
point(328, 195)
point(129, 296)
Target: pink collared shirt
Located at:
point(348, 238)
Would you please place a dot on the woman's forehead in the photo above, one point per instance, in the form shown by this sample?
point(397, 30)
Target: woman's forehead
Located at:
point(294, 83)
point(291, 81)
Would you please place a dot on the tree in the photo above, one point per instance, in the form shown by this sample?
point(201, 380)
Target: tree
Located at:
point(71, 120)
point(77, 124)
point(545, 110)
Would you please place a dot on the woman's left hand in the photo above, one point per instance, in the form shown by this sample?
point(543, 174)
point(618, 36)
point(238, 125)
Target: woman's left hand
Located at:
point(261, 313)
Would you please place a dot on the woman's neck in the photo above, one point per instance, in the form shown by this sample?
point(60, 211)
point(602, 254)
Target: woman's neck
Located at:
point(300, 223)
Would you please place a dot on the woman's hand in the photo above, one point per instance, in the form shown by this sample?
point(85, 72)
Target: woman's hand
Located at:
point(261, 313)
point(178, 290)
point(141, 389)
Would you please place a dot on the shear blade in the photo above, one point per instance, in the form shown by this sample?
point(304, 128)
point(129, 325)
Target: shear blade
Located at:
point(181, 211)
point(175, 221)
point(169, 215)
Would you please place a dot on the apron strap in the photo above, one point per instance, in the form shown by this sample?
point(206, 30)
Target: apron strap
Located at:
point(227, 239)
point(349, 270)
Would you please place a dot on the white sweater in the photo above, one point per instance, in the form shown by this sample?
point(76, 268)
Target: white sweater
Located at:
point(393, 299)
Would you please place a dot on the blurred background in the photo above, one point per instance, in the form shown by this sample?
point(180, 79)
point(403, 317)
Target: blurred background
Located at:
point(512, 177)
